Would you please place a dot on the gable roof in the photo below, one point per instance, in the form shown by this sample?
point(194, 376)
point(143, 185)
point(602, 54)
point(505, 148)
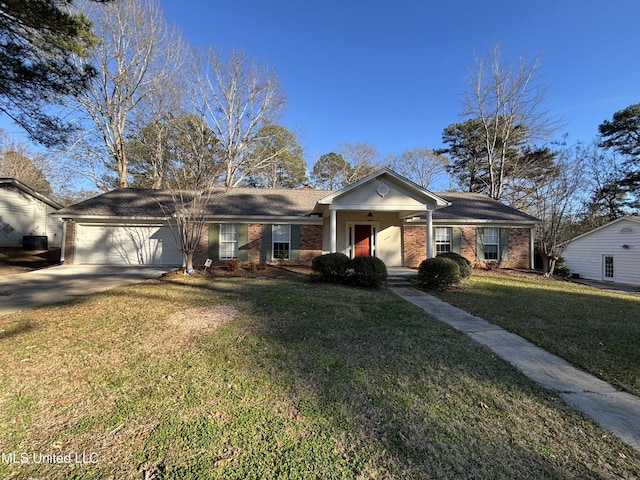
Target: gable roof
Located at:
point(473, 207)
point(14, 182)
point(149, 204)
point(144, 203)
point(632, 218)
point(411, 186)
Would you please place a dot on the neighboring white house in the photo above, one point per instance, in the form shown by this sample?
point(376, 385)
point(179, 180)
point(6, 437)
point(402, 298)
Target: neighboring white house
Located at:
point(609, 253)
point(26, 213)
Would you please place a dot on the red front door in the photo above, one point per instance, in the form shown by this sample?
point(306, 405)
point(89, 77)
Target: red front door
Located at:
point(361, 241)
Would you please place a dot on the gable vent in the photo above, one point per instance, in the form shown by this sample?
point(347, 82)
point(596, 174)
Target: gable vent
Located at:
point(626, 230)
point(6, 229)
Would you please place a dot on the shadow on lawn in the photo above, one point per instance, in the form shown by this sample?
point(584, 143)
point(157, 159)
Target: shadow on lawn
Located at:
point(416, 398)
point(11, 330)
point(394, 393)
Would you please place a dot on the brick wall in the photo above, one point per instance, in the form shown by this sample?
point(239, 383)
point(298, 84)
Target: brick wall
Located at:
point(201, 252)
point(519, 240)
point(255, 242)
point(310, 242)
point(468, 243)
point(415, 241)
point(69, 242)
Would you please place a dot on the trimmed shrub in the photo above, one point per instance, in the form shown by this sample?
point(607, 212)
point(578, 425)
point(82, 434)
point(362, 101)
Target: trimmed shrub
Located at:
point(369, 272)
point(465, 265)
point(438, 272)
point(331, 267)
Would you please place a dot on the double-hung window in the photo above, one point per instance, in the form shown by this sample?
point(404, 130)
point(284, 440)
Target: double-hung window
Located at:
point(443, 240)
point(228, 241)
point(491, 243)
point(281, 238)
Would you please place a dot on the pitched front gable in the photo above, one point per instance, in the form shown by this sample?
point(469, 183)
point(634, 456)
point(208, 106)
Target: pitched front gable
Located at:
point(383, 190)
point(590, 233)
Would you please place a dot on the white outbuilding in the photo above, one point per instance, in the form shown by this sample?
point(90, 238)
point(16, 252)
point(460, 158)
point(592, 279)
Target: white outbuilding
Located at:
point(25, 217)
point(609, 253)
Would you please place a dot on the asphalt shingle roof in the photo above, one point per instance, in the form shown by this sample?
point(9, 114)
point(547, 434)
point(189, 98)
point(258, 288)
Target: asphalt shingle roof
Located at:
point(147, 203)
point(475, 206)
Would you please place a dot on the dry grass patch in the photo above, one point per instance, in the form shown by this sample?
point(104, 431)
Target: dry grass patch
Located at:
point(202, 318)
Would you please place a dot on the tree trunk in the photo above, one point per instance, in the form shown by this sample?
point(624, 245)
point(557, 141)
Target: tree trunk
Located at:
point(187, 259)
point(548, 263)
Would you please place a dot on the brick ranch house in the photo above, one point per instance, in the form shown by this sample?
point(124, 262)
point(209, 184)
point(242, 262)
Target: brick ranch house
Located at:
point(383, 215)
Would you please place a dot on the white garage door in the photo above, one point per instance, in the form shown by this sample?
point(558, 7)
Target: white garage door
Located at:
point(126, 245)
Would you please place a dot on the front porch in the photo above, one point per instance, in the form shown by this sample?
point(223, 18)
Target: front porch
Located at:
point(368, 217)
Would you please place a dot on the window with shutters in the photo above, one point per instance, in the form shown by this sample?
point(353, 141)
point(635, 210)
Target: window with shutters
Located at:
point(491, 243)
point(228, 241)
point(281, 242)
point(443, 240)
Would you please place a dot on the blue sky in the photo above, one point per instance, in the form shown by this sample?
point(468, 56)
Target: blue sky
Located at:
point(391, 73)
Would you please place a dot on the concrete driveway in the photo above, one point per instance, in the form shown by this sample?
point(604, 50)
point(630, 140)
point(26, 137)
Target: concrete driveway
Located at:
point(56, 284)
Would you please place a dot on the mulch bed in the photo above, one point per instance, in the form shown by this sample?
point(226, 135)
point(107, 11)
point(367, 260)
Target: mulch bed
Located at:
point(264, 270)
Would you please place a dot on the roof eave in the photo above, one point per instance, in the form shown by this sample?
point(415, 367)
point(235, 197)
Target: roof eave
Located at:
point(25, 188)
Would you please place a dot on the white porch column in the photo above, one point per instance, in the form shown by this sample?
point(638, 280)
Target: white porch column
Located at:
point(429, 234)
point(532, 260)
point(333, 230)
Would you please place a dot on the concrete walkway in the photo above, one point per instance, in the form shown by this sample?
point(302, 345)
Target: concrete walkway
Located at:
point(616, 411)
point(56, 284)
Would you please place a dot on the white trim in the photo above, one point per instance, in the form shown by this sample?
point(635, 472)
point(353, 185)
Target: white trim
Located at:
point(439, 201)
point(288, 242)
point(605, 278)
point(429, 234)
point(30, 191)
point(471, 222)
point(223, 219)
point(631, 218)
point(235, 242)
point(532, 249)
point(333, 231)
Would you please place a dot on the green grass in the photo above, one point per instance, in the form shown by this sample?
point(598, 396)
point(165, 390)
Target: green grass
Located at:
point(277, 378)
point(597, 330)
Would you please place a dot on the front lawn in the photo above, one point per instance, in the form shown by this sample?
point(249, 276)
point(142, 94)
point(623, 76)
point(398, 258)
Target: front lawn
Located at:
point(189, 377)
point(597, 330)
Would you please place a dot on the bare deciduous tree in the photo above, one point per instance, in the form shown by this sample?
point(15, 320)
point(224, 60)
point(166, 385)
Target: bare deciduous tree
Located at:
point(509, 105)
point(556, 199)
point(363, 160)
point(138, 52)
point(236, 97)
point(155, 121)
point(17, 161)
point(191, 183)
point(420, 165)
